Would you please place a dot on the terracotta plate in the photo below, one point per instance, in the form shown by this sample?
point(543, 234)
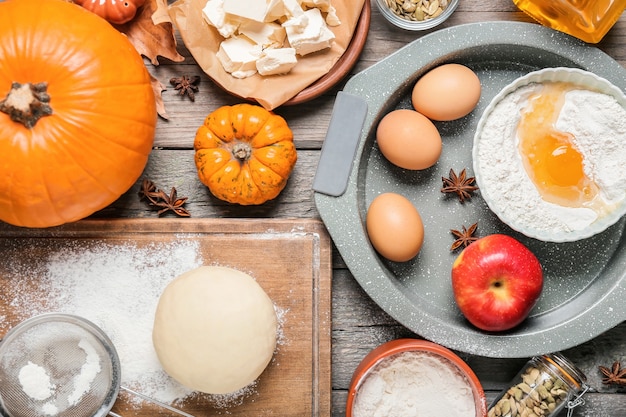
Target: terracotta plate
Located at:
point(343, 65)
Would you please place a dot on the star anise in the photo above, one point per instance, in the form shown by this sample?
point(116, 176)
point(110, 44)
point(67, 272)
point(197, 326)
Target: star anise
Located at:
point(616, 375)
point(171, 203)
point(461, 185)
point(159, 199)
point(148, 191)
point(186, 85)
point(464, 237)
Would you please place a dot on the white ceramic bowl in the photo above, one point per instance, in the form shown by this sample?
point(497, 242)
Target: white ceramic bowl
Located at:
point(416, 25)
point(493, 163)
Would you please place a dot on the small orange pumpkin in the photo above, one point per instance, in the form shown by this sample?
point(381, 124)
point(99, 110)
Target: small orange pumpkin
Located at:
point(78, 117)
point(114, 11)
point(244, 154)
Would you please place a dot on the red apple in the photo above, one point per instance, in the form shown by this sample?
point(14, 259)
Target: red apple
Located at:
point(496, 282)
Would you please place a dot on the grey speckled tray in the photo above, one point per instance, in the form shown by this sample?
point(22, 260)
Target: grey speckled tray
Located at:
point(585, 282)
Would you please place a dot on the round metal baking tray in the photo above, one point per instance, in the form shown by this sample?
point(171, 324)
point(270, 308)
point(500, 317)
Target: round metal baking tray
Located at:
point(585, 281)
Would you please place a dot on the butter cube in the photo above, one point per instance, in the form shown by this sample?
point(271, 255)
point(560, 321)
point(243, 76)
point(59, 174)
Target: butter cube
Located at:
point(276, 61)
point(275, 10)
point(331, 17)
point(294, 16)
point(266, 35)
point(326, 7)
point(292, 8)
point(314, 37)
point(248, 9)
point(238, 56)
point(297, 24)
point(214, 14)
point(323, 5)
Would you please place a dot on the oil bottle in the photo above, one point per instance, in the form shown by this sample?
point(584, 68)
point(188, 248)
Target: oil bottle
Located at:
point(588, 20)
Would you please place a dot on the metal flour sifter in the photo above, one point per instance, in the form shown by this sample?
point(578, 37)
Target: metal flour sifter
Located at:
point(60, 365)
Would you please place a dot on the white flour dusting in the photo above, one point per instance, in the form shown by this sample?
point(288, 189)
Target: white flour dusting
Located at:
point(117, 286)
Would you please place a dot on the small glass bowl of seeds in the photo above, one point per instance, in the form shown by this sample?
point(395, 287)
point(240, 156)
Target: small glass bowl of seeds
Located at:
point(416, 14)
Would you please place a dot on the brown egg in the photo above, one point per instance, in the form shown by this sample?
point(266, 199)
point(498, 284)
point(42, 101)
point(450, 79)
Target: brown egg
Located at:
point(448, 92)
point(408, 139)
point(394, 227)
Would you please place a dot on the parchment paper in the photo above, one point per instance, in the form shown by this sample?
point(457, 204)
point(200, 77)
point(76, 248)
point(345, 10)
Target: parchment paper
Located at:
point(203, 42)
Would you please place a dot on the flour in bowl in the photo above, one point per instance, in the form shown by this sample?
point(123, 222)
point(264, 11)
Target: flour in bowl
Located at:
point(597, 125)
point(414, 384)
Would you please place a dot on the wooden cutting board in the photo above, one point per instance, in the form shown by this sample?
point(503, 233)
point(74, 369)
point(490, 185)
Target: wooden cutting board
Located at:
point(291, 260)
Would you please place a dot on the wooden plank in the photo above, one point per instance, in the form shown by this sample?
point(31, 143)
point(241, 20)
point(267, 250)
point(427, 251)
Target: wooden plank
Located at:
point(290, 258)
point(176, 168)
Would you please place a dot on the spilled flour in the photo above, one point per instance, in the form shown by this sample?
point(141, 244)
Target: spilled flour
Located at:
point(117, 287)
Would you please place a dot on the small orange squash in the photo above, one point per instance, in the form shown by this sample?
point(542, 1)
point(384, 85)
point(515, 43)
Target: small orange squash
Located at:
point(114, 11)
point(244, 154)
point(77, 113)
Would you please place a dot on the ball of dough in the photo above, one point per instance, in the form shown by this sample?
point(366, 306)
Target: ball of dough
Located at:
point(214, 329)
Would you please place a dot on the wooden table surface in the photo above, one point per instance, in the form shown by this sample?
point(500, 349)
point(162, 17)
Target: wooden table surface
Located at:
point(358, 324)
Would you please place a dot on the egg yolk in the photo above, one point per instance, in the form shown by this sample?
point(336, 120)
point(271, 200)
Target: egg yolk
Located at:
point(550, 157)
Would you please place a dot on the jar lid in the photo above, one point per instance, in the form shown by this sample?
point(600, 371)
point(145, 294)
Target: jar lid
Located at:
point(567, 368)
point(573, 375)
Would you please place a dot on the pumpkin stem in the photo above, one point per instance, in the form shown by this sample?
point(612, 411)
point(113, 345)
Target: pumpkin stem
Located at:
point(242, 151)
point(27, 103)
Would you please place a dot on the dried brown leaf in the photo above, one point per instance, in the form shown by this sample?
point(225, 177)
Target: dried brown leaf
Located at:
point(152, 40)
point(157, 87)
point(152, 34)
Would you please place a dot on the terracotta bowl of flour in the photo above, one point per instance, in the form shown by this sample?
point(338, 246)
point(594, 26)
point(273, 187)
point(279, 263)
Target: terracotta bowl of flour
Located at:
point(414, 377)
point(549, 154)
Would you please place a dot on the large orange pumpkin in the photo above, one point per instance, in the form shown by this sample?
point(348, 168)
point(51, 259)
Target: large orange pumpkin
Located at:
point(244, 153)
point(84, 134)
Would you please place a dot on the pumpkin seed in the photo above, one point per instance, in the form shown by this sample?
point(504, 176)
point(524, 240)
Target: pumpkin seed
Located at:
point(513, 407)
point(417, 10)
point(537, 394)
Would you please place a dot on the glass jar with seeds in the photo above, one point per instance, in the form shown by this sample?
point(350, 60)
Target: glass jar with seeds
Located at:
point(543, 388)
point(416, 14)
